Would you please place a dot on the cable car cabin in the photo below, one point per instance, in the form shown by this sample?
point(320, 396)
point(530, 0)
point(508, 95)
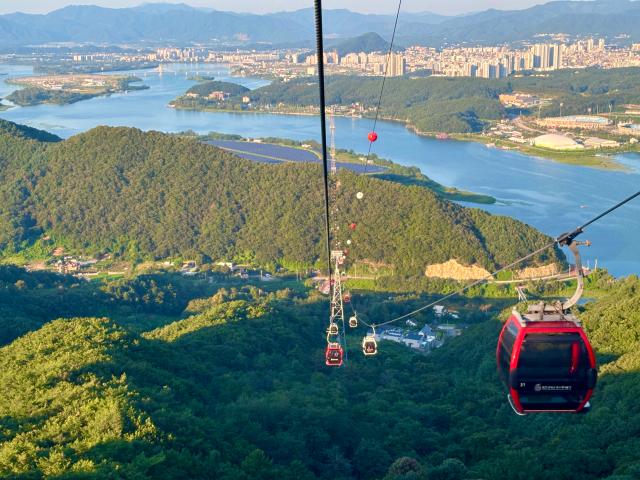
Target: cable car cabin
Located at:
point(333, 329)
point(333, 355)
point(346, 298)
point(369, 346)
point(353, 321)
point(546, 362)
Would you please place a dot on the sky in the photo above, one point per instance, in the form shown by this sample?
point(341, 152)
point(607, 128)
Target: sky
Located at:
point(261, 6)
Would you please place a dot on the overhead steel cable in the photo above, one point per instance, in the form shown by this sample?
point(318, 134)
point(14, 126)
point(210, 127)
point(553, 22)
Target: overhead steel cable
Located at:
point(384, 80)
point(325, 160)
point(323, 130)
point(567, 237)
point(562, 239)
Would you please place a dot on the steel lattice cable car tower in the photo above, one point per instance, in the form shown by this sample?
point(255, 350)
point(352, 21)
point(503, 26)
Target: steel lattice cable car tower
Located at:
point(338, 257)
point(337, 306)
point(332, 129)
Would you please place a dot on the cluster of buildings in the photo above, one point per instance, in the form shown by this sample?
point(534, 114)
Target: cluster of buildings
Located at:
point(395, 64)
point(555, 141)
point(428, 337)
point(483, 62)
point(217, 95)
point(111, 58)
point(520, 100)
point(571, 132)
point(176, 55)
point(500, 62)
point(70, 265)
point(584, 122)
point(594, 123)
point(71, 83)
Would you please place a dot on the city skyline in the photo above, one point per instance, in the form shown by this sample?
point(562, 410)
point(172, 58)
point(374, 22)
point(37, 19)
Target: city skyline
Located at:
point(363, 6)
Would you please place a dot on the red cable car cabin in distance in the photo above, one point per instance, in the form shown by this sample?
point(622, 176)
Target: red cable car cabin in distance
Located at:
point(333, 355)
point(547, 363)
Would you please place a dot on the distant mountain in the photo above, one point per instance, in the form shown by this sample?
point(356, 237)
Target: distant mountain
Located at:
point(607, 18)
point(369, 42)
point(179, 24)
point(160, 24)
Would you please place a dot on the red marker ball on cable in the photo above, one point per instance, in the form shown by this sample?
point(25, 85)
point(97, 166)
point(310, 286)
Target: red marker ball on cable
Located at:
point(373, 136)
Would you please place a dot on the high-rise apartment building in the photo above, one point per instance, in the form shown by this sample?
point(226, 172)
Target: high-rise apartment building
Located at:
point(397, 65)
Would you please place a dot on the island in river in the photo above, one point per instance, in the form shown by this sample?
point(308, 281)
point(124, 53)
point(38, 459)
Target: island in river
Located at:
point(68, 89)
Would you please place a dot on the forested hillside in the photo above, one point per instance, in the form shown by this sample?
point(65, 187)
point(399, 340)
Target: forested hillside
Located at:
point(235, 388)
point(437, 104)
point(151, 195)
point(367, 42)
point(22, 156)
point(430, 104)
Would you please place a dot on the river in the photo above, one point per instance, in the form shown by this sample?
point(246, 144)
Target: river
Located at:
point(550, 196)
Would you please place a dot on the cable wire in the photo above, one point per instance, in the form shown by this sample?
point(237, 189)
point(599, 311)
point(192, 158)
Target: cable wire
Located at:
point(561, 240)
point(384, 81)
point(467, 287)
point(323, 129)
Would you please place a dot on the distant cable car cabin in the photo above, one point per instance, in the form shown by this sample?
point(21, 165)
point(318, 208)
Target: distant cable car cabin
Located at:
point(369, 345)
point(333, 354)
point(545, 359)
point(333, 329)
point(353, 321)
point(346, 298)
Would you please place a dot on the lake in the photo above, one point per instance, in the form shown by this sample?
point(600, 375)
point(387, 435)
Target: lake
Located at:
point(550, 196)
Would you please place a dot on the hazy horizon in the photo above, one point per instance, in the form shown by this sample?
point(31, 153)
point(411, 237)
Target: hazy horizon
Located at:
point(253, 6)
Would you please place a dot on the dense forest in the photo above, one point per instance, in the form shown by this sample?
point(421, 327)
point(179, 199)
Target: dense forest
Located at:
point(203, 89)
point(234, 387)
point(198, 97)
point(437, 104)
point(22, 157)
point(151, 195)
point(27, 97)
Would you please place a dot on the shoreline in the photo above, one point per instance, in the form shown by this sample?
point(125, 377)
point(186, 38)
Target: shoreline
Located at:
point(603, 160)
point(393, 172)
point(32, 94)
point(598, 159)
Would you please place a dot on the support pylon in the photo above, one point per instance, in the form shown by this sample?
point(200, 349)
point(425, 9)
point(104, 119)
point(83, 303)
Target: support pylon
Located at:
point(337, 306)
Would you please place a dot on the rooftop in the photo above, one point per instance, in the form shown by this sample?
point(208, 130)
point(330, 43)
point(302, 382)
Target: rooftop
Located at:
point(556, 142)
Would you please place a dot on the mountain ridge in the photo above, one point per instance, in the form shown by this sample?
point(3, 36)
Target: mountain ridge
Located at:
point(152, 195)
point(185, 25)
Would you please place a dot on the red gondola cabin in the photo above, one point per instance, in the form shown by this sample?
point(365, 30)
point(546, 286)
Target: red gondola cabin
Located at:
point(333, 355)
point(546, 362)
